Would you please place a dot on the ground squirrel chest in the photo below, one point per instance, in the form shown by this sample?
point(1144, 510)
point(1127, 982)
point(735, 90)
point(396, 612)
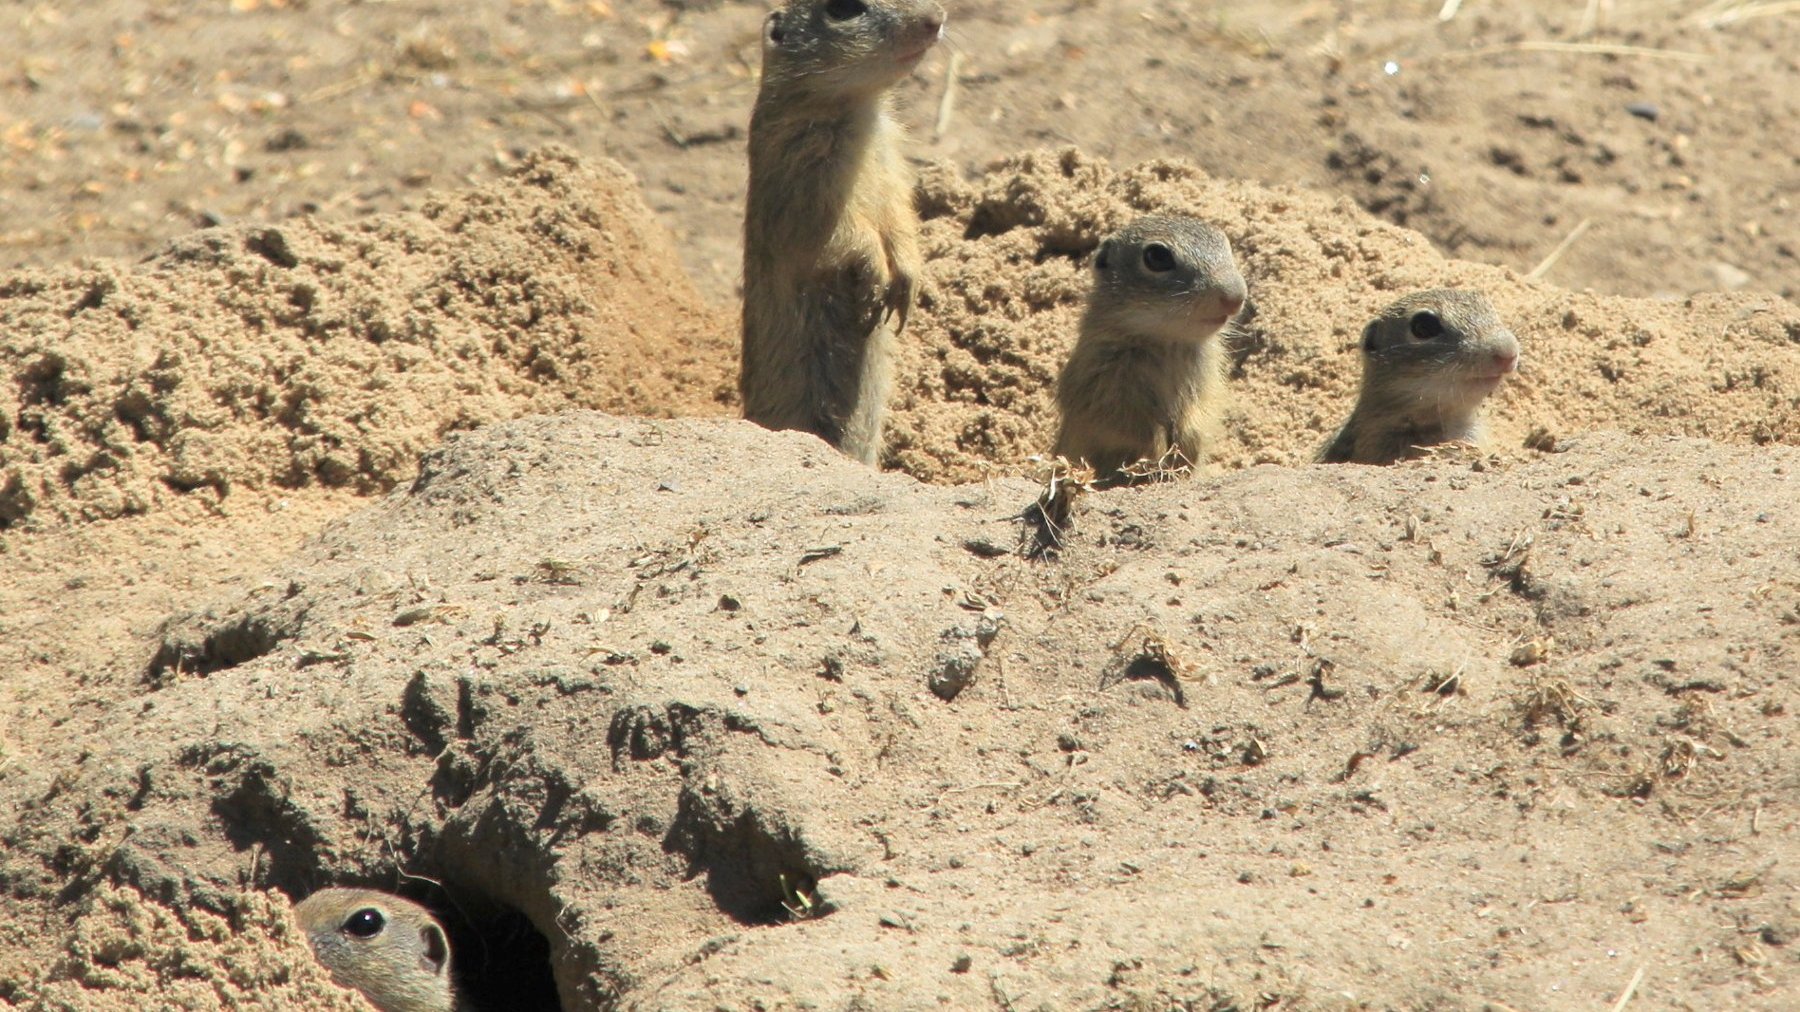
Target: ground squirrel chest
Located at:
point(831, 251)
point(1145, 380)
point(1429, 360)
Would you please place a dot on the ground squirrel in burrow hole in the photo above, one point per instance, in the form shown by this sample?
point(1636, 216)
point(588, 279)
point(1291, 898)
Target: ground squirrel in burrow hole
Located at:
point(1146, 380)
point(1429, 360)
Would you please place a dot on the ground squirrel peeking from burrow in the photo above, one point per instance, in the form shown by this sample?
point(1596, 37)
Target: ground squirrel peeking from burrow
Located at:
point(831, 248)
point(391, 949)
point(1146, 380)
point(1429, 360)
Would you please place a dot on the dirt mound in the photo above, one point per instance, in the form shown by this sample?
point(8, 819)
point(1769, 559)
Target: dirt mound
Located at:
point(662, 729)
point(310, 354)
point(307, 353)
point(1007, 273)
point(127, 952)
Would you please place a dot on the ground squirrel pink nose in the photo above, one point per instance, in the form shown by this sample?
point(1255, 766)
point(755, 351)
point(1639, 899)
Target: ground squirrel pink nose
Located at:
point(1507, 361)
point(1231, 302)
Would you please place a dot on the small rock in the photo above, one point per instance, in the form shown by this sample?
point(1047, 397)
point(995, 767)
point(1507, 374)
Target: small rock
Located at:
point(954, 670)
point(287, 140)
point(988, 626)
point(1730, 276)
point(986, 548)
point(962, 963)
point(1644, 110)
point(964, 646)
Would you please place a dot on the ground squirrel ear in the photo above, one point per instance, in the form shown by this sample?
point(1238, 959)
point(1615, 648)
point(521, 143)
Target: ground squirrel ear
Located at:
point(437, 951)
point(1369, 338)
point(772, 32)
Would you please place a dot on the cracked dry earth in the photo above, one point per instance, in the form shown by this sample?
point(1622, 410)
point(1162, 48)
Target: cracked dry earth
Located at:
point(647, 710)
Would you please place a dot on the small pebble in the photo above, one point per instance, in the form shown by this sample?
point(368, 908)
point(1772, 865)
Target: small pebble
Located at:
point(1644, 110)
point(1730, 276)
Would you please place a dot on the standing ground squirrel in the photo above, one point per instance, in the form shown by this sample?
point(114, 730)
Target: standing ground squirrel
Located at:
point(831, 249)
point(1428, 361)
point(391, 949)
point(1147, 373)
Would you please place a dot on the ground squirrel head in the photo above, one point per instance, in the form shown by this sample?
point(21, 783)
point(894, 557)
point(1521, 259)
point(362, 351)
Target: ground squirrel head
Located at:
point(1444, 347)
point(1166, 278)
point(391, 949)
point(847, 49)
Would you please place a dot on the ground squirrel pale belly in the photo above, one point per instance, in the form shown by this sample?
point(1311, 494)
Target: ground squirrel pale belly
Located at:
point(391, 949)
point(831, 251)
point(1146, 376)
point(1429, 360)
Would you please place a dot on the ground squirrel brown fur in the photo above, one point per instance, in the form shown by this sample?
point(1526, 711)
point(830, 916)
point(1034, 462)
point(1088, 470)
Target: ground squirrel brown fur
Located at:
point(831, 250)
point(391, 949)
point(1146, 376)
point(1428, 362)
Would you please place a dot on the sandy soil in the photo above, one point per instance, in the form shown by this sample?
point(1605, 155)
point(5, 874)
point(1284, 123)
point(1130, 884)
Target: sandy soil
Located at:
point(1445, 736)
point(1491, 732)
point(125, 124)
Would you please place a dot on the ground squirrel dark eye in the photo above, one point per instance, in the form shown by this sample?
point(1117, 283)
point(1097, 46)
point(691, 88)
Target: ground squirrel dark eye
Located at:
point(1100, 258)
point(1426, 325)
point(1158, 258)
point(844, 10)
point(365, 923)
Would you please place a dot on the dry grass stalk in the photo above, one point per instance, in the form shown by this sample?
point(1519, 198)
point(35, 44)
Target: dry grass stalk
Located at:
point(1587, 49)
point(1152, 660)
point(1726, 12)
point(1047, 519)
point(1544, 265)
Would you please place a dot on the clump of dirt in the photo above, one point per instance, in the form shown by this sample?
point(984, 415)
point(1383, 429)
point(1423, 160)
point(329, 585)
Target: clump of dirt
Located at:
point(126, 951)
point(299, 354)
point(1007, 273)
